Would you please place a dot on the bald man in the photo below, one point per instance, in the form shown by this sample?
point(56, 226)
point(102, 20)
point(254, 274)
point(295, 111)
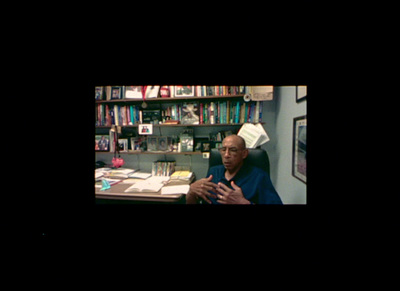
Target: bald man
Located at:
point(234, 182)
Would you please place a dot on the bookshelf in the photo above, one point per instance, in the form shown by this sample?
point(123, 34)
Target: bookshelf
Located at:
point(224, 116)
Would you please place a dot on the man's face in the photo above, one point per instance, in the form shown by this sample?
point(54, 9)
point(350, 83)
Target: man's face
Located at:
point(232, 153)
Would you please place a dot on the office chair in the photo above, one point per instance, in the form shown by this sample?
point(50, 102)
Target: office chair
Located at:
point(256, 157)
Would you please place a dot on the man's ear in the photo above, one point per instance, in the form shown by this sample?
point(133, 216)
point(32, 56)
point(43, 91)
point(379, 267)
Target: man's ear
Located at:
point(245, 153)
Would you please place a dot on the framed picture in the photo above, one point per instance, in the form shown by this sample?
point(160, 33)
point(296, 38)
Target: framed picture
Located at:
point(116, 92)
point(164, 143)
point(137, 143)
point(134, 92)
point(190, 113)
point(123, 144)
point(205, 146)
point(184, 91)
point(102, 143)
point(301, 93)
point(99, 93)
point(152, 143)
point(299, 161)
point(144, 129)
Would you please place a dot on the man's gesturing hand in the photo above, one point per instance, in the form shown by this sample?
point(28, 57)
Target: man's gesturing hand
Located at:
point(200, 189)
point(227, 195)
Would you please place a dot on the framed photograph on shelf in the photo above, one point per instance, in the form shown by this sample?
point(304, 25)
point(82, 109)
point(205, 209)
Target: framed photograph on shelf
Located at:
point(99, 92)
point(137, 143)
point(102, 143)
point(299, 160)
point(134, 92)
point(301, 93)
point(116, 92)
point(190, 113)
point(206, 146)
point(152, 144)
point(184, 91)
point(123, 144)
point(164, 143)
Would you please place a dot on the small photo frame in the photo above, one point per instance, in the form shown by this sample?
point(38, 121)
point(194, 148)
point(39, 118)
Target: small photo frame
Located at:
point(102, 143)
point(123, 144)
point(116, 92)
point(152, 143)
point(184, 91)
point(164, 143)
point(98, 92)
point(301, 93)
point(299, 160)
point(137, 143)
point(205, 146)
point(145, 129)
point(217, 144)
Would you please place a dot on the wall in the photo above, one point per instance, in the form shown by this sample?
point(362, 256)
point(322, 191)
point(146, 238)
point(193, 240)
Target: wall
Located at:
point(290, 189)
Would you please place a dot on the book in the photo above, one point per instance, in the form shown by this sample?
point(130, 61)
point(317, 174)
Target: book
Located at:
point(152, 184)
point(120, 173)
point(182, 175)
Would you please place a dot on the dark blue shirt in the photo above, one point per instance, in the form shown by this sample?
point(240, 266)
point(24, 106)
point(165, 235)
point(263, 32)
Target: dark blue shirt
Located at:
point(255, 183)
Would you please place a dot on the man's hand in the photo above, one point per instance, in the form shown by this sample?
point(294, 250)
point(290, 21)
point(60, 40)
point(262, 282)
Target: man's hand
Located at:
point(200, 189)
point(227, 195)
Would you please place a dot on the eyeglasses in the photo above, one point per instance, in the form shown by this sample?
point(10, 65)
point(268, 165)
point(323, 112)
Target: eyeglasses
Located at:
point(233, 151)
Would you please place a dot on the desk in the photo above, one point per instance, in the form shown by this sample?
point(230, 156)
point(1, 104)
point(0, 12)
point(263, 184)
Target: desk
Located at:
point(116, 192)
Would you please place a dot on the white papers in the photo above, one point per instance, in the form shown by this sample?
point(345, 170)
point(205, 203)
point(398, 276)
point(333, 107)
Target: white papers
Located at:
point(152, 184)
point(254, 135)
point(179, 189)
point(140, 175)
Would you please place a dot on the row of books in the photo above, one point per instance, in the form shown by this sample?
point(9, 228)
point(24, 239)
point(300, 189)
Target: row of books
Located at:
point(163, 168)
point(220, 112)
point(156, 91)
point(107, 115)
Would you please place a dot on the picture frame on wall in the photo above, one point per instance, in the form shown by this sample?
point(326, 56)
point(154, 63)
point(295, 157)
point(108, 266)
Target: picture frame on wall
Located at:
point(301, 93)
point(299, 158)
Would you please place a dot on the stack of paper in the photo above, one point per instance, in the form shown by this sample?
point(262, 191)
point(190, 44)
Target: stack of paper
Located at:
point(152, 184)
point(182, 175)
point(178, 189)
point(254, 135)
point(121, 172)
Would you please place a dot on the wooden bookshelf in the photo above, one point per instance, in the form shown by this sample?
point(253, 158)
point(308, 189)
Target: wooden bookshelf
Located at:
point(165, 103)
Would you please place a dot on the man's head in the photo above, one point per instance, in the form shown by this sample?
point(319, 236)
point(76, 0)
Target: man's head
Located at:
point(233, 152)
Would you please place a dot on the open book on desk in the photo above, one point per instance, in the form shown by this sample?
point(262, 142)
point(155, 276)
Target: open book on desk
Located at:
point(152, 184)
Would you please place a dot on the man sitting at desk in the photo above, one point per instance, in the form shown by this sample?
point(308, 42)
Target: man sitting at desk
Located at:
point(234, 182)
